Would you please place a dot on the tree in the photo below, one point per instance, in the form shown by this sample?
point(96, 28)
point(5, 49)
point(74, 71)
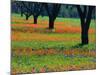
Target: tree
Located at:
point(19, 7)
point(25, 8)
point(30, 9)
point(36, 12)
point(34, 9)
point(85, 15)
point(52, 10)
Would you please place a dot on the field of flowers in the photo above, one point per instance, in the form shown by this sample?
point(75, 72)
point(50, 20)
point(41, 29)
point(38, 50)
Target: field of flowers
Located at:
point(36, 49)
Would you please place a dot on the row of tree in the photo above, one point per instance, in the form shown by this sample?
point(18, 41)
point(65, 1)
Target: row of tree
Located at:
point(52, 10)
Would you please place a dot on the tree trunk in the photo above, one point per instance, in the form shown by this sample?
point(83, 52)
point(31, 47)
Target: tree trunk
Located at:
point(86, 25)
point(52, 13)
point(51, 23)
point(85, 18)
point(35, 19)
point(84, 34)
point(27, 17)
point(84, 31)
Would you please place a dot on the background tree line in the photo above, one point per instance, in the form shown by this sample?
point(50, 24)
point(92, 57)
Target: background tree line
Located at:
point(66, 10)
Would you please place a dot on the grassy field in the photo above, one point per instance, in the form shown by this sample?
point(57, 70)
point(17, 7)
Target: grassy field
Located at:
point(37, 49)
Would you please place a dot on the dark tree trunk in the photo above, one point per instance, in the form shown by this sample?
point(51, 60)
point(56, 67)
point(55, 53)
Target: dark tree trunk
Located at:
point(27, 17)
point(51, 23)
point(84, 30)
point(35, 19)
point(84, 34)
point(85, 18)
point(52, 13)
point(87, 25)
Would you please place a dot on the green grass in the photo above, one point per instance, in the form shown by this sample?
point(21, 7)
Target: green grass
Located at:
point(58, 45)
point(25, 63)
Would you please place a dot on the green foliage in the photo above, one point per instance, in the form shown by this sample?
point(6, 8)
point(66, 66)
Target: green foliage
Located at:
point(66, 10)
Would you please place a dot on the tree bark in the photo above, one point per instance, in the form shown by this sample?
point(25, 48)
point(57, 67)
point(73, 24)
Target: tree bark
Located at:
point(84, 34)
point(86, 25)
point(35, 19)
point(85, 18)
point(52, 14)
point(51, 23)
point(84, 30)
point(27, 17)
